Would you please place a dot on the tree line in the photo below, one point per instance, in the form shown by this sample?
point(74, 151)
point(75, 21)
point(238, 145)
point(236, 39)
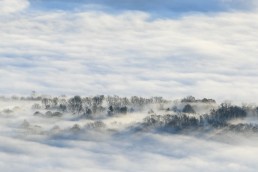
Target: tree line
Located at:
point(218, 118)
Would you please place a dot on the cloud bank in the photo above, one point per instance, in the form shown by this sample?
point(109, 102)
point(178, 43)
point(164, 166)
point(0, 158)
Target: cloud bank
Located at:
point(130, 54)
point(121, 47)
point(91, 52)
point(12, 6)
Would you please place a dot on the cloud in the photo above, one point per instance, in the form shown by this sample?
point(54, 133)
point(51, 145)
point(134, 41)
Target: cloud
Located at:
point(12, 6)
point(130, 54)
point(91, 52)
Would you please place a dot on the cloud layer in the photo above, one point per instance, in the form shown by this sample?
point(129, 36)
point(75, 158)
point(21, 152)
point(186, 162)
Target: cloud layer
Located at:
point(12, 6)
point(129, 53)
point(88, 48)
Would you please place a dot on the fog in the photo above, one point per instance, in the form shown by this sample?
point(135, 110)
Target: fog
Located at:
point(120, 142)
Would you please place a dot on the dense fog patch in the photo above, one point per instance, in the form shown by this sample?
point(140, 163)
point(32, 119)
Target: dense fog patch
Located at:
point(111, 133)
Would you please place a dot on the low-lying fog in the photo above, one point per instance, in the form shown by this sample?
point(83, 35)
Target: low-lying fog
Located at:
point(41, 135)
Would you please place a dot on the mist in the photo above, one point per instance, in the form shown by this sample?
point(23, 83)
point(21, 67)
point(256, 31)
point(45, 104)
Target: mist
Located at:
point(111, 79)
point(39, 134)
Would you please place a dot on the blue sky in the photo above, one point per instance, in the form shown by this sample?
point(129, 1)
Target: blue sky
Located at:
point(150, 6)
point(148, 48)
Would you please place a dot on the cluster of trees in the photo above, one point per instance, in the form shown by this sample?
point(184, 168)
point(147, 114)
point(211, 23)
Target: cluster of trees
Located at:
point(112, 105)
point(184, 116)
point(89, 106)
point(191, 99)
point(48, 114)
point(23, 98)
point(76, 105)
point(177, 122)
point(113, 100)
point(217, 119)
point(227, 112)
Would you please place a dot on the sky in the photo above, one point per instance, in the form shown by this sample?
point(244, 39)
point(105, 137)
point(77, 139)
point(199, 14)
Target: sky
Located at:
point(169, 48)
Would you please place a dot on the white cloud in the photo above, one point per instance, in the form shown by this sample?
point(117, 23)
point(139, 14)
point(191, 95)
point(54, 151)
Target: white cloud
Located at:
point(127, 53)
point(130, 53)
point(12, 6)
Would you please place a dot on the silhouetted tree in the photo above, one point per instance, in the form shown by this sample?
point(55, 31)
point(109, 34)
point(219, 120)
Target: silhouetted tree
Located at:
point(46, 102)
point(189, 99)
point(188, 109)
point(110, 110)
point(123, 110)
point(75, 104)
